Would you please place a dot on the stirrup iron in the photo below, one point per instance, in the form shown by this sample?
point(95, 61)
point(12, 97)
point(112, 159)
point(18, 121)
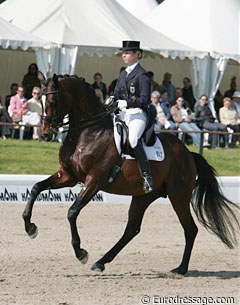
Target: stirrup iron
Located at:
point(147, 183)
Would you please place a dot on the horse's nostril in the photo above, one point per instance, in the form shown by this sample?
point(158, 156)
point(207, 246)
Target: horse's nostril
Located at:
point(44, 137)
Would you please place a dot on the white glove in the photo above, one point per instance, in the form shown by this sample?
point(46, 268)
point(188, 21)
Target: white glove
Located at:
point(109, 101)
point(122, 104)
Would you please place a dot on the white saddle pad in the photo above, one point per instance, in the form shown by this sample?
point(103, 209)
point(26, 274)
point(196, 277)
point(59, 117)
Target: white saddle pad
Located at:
point(154, 153)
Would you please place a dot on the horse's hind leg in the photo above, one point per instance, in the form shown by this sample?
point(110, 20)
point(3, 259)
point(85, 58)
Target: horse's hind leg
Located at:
point(57, 180)
point(181, 205)
point(137, 209)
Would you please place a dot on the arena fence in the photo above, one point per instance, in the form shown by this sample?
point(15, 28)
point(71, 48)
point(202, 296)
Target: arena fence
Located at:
point(202, 132)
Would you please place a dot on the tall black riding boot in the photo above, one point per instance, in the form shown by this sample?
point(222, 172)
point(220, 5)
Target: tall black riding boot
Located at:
point(144, 168)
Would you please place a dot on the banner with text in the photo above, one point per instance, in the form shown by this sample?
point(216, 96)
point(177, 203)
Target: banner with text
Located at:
point(17, 189)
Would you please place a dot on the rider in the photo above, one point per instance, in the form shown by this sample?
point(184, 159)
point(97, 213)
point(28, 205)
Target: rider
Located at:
point(132, 92)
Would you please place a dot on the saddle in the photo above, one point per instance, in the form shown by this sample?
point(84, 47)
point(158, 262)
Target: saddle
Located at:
point(148, 137)
point(151, 144)
point(122, 130)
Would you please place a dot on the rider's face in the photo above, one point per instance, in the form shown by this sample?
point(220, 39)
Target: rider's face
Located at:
point(129, 57)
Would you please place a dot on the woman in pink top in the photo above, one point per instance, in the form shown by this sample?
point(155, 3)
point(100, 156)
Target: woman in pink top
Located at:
point(18, 105)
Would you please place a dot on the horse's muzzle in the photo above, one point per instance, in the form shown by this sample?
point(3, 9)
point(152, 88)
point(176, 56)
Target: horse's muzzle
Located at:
point(47, 137)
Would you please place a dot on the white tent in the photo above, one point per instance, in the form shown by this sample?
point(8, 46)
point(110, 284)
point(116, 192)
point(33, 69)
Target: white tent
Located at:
point(208, 26)
point(138, 9)
point(13, 37)
point(87, 27)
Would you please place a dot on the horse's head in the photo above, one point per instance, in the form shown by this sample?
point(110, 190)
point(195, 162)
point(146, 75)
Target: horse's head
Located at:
point(53, 115)
point(68, 95)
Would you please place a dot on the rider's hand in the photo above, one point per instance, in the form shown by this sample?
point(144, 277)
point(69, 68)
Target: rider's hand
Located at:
point(109, 101)
point(122, 104)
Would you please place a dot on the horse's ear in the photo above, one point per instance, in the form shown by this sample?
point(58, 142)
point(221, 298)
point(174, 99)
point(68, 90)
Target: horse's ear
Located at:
point(55, 79)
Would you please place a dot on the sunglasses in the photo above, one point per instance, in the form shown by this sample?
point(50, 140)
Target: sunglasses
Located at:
point(38, 93)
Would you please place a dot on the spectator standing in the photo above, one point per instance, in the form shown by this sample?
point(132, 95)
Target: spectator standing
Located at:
point(154, 85)
point(167, 85)
point(178, 93)
point(113, 83)
point(236, 101)
point(31, 80)
point(187, 93)
point(206, 120)
point(233, 87)
point(13, 91)
point(99, 84)
point(166, 107)
point(218, 102)
point(183, 119)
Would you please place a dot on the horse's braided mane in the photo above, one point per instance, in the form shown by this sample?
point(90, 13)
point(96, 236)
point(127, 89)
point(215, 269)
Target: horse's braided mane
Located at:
point(81, 79)
point(82, 82)
point(90, 89)
point(74, 76)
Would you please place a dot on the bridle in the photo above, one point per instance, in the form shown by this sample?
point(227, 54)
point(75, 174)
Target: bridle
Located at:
point(82, 123)
point(55, 123)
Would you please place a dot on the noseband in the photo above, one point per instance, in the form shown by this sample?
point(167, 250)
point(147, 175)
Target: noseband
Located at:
point(83, 123)
point(51, 92)
point(55, 122)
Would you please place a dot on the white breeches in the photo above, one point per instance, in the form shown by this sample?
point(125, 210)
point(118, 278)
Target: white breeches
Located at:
point(136, 120)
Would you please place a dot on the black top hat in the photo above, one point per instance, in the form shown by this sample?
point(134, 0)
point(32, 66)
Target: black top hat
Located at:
point(131, 46)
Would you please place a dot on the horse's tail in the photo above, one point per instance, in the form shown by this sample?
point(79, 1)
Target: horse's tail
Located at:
point(212, 208)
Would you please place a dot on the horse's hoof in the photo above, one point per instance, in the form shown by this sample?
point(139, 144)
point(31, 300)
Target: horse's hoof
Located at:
point(179, 270)
point(98, 267)
point(84, 256)
point(33, 231)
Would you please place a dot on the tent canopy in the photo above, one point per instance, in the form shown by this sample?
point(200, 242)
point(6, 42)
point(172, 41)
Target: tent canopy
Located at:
point(211, 26)
point(140, 10)
point(95, 26)
point(14, 37)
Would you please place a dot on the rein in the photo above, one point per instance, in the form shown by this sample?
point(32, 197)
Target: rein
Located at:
point(46, 117)
point(51, 92)
point(110, 109)
point(83, 123)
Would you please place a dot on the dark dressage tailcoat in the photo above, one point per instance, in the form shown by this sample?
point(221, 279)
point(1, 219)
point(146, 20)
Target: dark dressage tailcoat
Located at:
point(135, 88)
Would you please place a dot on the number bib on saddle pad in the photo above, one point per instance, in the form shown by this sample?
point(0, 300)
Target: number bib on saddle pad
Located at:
point(154, 153)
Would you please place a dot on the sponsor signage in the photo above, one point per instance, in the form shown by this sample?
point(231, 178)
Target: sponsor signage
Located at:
point(20, 194)
point(17, 189)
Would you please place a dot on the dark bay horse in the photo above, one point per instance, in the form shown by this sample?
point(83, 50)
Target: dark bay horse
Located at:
point(89, 154)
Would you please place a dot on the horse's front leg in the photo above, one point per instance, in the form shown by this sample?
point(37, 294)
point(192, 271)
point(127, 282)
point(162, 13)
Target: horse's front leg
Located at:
point(89, 189)
point(57, 180)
